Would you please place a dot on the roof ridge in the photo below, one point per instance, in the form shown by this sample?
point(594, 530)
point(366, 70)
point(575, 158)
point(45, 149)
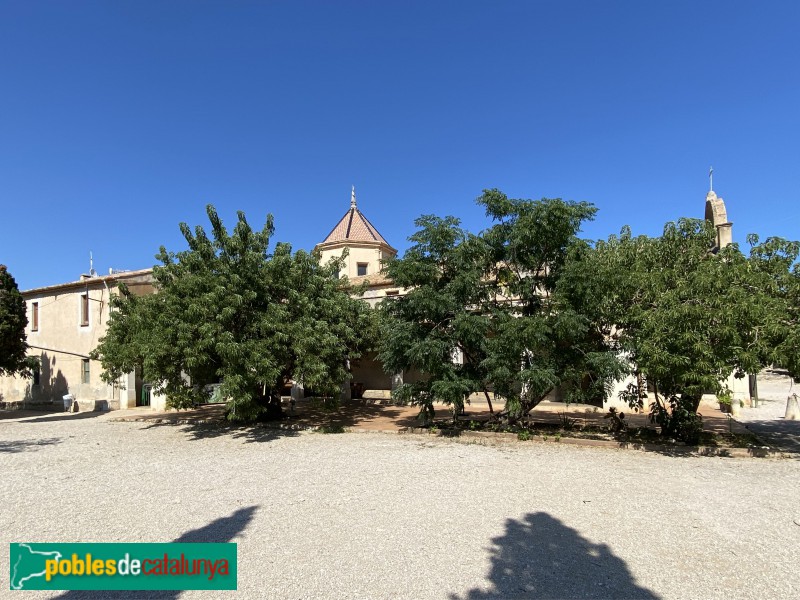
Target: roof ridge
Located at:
point(350, 222)
point(370, 227)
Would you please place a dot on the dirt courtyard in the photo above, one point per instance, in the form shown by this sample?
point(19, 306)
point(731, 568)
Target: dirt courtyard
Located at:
point(405, 516)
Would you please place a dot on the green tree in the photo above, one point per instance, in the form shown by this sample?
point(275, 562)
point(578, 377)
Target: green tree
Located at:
point(441, 317)
point(13, 321)
point(225, 309)
point(684, 317)
point(775, 275)
point(493, 298)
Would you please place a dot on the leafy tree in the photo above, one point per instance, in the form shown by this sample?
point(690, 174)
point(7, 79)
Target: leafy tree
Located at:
point(538, 323)
point(776, 282)
point(440, 318)
point(226, 309)
point(493, 298)
point(13, 321)
point(684, 317)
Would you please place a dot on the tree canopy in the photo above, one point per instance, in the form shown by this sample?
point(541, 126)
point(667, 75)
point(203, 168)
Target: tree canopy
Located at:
point(13, 321)
point(776, 272)
point(227, 310)
point(685, 317)
point(484, 312)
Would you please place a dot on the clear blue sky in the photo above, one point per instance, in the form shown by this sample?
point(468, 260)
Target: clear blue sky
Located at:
point(120, 119)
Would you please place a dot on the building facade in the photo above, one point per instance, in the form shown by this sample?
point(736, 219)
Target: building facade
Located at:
point(66, 322)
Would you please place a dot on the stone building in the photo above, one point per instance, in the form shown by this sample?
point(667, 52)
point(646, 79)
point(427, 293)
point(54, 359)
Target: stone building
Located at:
point(364, 250)
point(67, 320)
point(65, 323)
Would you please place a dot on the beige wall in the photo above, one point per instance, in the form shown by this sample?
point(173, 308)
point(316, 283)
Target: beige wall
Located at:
point(375, 294)
point(358, 252)
point(63, 343)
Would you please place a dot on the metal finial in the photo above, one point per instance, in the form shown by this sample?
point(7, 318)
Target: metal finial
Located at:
point(711, 179)
point(353, 198)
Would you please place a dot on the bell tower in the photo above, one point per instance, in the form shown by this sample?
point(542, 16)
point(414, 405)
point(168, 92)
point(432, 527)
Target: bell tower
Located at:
point(366, 247)
point(717, 215)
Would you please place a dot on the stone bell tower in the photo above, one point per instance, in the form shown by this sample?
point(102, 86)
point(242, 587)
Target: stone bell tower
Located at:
point(718, 216)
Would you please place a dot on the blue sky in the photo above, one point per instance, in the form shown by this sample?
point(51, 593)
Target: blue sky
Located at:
point(118, 120)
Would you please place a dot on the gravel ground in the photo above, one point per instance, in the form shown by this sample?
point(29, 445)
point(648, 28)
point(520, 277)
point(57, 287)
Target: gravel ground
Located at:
point(766, 420)
point(378, 515)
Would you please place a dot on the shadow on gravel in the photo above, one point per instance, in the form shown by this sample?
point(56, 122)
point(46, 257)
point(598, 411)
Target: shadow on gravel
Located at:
point(22, 413)
point(24, 445)
point(779, 433)
point(65, 416)
point(540, 557)
point(219, 531)
point(248, 433)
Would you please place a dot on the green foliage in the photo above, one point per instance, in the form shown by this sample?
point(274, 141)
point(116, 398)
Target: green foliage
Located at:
point(332, 429)
point(685, 317)
point(13, 321)
point(678, 419)
point(724, 397)
point(524, 435)
point(494, 300)
point(775, 275)
point(617, 422)
point(225, 309)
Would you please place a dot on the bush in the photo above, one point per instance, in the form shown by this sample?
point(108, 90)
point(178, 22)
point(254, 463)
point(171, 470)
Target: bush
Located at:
point(678, 420)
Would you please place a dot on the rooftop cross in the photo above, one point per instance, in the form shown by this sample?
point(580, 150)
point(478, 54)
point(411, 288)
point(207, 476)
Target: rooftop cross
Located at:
point(353, 198)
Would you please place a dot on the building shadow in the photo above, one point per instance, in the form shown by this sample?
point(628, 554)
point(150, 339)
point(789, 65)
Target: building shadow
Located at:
point(540, 557)
point(65, 416)
point(219, 531)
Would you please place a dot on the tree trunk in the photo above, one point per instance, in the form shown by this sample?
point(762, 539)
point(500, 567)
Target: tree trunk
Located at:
point(488, 401)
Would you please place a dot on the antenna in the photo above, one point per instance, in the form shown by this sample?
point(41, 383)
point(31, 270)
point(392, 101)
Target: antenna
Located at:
point(92, 272)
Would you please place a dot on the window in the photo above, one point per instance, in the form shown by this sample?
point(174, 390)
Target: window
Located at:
point(34, 316)
point(362, 269)
point(392, 292)
point(85, 370)
point(85, 309)
point(37, 375)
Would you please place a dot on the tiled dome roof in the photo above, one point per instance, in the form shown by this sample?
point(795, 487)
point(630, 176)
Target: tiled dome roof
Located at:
point(354, 227)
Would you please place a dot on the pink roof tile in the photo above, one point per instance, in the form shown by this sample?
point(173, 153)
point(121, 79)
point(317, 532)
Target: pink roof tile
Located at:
point(354, 227)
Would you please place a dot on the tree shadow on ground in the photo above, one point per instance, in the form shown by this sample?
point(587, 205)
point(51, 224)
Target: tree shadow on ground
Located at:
point(24, 445)
point(540, 557)
point(210, 422)
point(354, 413)
point(781, 434)
point(246, 433)
point(219, 531)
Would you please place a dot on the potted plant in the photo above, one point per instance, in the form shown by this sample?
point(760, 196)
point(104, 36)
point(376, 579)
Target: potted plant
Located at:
point(725, 398)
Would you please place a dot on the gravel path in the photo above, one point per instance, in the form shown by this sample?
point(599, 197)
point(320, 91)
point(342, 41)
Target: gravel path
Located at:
point(373, 516)
point(766, 420)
